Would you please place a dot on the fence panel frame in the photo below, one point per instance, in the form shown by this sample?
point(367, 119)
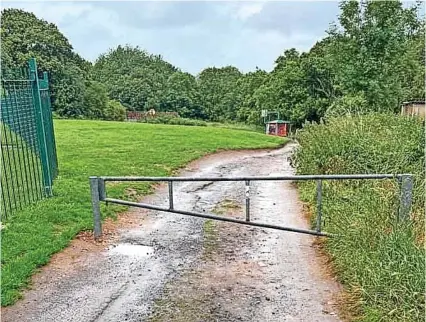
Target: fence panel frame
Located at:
point(28, 150)
point(41, 125)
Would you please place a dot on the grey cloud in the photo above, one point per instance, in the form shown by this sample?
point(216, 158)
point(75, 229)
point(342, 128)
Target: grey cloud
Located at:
point(291, 18)
point(191, 35)
point(160, 15)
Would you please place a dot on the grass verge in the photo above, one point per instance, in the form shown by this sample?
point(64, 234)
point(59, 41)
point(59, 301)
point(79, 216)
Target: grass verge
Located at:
point(86, 148)
point(378, 258)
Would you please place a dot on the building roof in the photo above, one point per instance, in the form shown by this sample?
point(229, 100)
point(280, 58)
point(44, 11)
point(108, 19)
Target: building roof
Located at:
point(414, 102)
point(279, 121)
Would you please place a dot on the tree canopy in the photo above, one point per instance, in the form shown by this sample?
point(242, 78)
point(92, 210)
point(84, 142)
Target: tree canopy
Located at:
point(371, 59)
point(73, 93)
point(24, 36)
point(132, 76)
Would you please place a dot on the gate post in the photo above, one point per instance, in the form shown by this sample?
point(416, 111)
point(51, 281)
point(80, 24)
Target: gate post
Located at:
point(405, 197)
point(247, 200)
point(41, 131)
point(171, 195)
point(48, 122)
point(319, 205)
point(97, 224)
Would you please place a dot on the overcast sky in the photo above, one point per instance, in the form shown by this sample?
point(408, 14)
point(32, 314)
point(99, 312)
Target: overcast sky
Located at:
point(191, 35)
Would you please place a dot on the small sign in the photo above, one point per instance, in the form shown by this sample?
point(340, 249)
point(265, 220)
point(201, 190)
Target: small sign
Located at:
point(264, 113)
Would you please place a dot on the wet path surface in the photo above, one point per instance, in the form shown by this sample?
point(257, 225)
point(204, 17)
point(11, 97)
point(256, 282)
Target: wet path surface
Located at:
point(177, 268)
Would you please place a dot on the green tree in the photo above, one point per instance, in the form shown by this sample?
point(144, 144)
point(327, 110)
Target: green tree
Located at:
point(181, 95)
point(378, 51)
point(247, 85)
point(24, 36)
point(95, 100)
point(218, 90)
point(68, 86)
point(134, 77)
point(371, 60)
point(286, 90)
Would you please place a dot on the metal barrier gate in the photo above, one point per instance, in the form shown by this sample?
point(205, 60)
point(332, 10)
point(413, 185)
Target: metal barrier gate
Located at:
point(99, 193)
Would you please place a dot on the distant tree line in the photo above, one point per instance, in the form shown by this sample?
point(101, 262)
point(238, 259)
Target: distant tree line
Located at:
point(372, 59)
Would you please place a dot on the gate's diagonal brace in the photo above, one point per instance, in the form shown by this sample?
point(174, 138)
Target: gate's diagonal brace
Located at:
point(207, 216)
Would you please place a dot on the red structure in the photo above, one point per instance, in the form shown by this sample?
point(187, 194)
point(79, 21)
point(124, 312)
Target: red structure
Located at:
point(278, 128)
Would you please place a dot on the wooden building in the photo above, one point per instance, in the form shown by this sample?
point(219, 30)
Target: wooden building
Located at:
point(414, 108)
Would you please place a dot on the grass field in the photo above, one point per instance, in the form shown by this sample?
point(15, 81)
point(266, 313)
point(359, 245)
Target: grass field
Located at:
point(87, 148)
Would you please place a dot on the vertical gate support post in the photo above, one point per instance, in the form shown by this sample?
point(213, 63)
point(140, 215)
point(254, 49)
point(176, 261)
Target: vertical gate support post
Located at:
point(405, 198)
point(247, 200)
point(101, 189)
point(170, 183)
point(97, 224)
point(319, 205)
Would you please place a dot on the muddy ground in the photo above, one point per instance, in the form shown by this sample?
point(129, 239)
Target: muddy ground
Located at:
point(166, 267)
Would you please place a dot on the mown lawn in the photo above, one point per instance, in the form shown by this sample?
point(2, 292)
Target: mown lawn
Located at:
point(87, 148)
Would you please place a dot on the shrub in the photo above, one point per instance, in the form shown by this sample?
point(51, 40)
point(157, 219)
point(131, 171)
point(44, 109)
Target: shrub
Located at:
point(188, 122)
point(95, 100)
point(173, 120)
point(348, 105)
point(377, 257)
point(55, 115)
point(67, 92)
point(114, 111)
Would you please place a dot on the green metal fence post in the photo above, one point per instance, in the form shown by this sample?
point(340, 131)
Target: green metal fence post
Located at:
point(41, 133)
point(48, 122)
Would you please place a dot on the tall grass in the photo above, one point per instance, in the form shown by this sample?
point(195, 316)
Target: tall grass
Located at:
point(378, 258)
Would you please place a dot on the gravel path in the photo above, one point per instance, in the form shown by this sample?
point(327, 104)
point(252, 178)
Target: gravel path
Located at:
point(168, 267)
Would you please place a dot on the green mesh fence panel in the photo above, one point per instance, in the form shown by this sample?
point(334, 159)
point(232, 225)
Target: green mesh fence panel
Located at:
point(27, 140)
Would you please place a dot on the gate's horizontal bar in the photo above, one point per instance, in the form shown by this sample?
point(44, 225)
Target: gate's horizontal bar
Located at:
point(196, 214)
point(260, 178)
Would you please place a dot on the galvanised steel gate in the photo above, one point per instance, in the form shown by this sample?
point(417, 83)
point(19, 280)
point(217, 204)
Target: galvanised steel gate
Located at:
point(28, 150)
point(99, 193)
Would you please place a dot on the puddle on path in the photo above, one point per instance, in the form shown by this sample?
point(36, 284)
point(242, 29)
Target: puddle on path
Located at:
point(131, 250)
